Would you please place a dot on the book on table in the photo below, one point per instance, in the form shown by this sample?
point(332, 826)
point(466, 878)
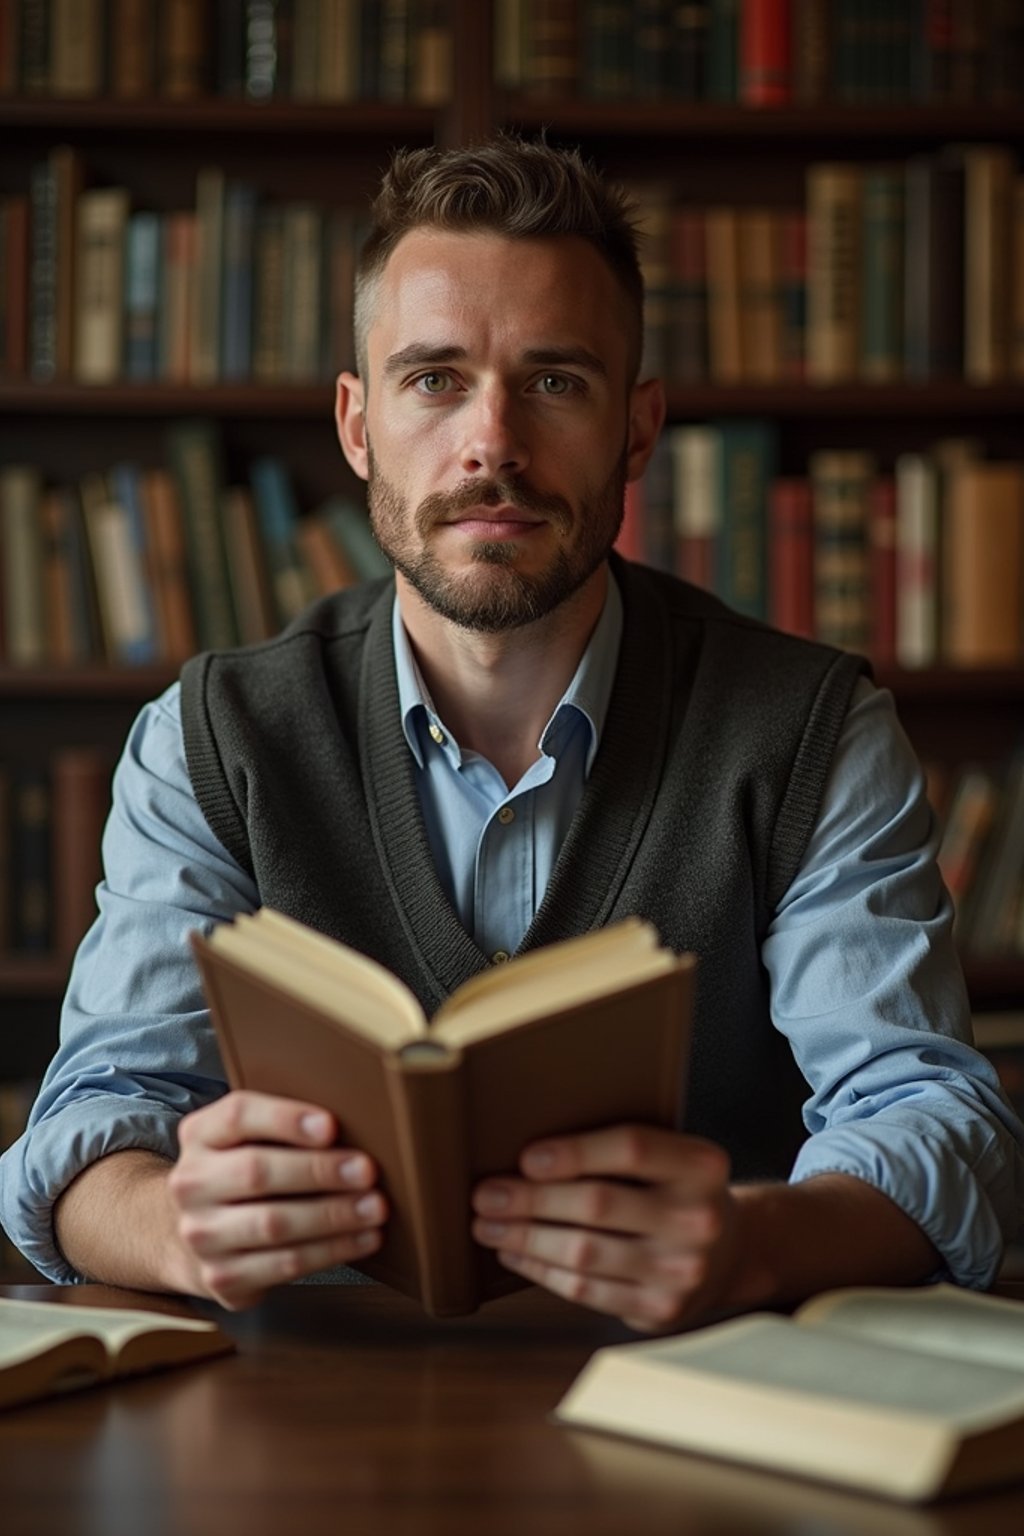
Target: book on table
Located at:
point(46, 1349)
point(910, 1393)
point(589, 1032)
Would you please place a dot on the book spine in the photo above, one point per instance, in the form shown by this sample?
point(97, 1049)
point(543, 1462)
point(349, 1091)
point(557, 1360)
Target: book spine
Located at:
point(725, 337)
point(306, 50)
point(723, 51)
point(793, 280)
point(278, 515)
point(330, 569)
point(229, 68)
point(551, 64)
point(177, 297)
point(168, 566)
point(841, 578)
point(607, 51)
point(303, 285)
point(988, 202)
point(811, 49)
point(351, 527)
point(42, 328)
point(833, 272)
point(237, 292)
point(138, 630)
point(428, 1104)
point(394, 50)
point(268, 360)
point(881, 355)
point(205, 348)
point(882, 569)
point(14, 298)
point(688, 304)
point(791, 555)
point(21, 565)
point(142, 296)
point(934, 268)
point(431, 82)
point(655, 223)
point(195, 456)
point(57, 595)
point(765, 58)
point(760, 295)
point(917, 537)
point(689, 51)
point(652, 50)
point(32, 863)
point(971, 813)
point(132, 48)
point(696, 504)
point(746, 469)
point(35, 47)
point(76, 56)
point(251, 587)
point(99, 331)
point(80, 779)
point(184, 49)
point(983, 562)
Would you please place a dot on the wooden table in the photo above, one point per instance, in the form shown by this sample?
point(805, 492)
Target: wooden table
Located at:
point(347, 1411)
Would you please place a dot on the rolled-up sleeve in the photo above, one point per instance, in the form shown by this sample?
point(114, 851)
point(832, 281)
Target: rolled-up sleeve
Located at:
point(868, 989)
point(137, 1050)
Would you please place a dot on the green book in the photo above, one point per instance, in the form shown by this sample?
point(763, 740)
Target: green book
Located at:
point(746, 468)
point(882, 254)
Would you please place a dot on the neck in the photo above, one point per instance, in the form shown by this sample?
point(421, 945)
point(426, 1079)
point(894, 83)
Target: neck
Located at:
point(497, 692)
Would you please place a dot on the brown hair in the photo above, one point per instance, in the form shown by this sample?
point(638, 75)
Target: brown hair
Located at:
point(522, 189)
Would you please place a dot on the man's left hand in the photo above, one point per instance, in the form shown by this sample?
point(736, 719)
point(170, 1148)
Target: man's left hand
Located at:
point(633, 1221)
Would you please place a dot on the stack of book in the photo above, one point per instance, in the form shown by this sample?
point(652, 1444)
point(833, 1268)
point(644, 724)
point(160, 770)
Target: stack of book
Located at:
point(144, 566)
point(760, 53)
point(314, 50)
point(234, 289)
point(919, 563)
point(889, 272)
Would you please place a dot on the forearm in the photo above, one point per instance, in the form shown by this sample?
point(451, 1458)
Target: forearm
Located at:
point(116, 1223)
point(833, 1230)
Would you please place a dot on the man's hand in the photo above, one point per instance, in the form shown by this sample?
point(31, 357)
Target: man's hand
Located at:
point(262, 1197)
point(633, 1221)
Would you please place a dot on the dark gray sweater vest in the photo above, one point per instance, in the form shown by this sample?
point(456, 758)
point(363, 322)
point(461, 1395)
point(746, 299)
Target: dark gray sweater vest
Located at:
point(702, 797)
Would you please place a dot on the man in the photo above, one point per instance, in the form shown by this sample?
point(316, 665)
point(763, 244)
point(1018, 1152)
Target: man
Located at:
point(524, 741)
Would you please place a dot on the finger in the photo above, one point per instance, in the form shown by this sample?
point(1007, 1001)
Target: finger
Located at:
point(242, 1116)
point(595, 1203)
point(200, 1179)
point(641, 1152)
point(648, 1306)
point(255, 1226)
point(586, 1252)
point(240, 1280)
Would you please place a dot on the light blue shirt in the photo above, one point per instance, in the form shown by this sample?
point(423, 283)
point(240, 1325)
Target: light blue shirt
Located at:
point(865, 983)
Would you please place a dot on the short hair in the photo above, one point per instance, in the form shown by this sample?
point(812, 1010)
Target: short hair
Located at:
point(522, 189)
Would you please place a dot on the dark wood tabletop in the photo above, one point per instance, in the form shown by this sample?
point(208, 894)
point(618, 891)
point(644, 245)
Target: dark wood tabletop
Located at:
point(347, 1411)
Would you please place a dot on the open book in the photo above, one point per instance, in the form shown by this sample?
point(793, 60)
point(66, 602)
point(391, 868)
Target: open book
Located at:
point(47, 1348)
point(589, 1032)
point(908, 1393)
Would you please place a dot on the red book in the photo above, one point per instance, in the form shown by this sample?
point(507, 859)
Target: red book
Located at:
point(882, 569)
point(630, 542)
point(766, 70)
point(791, 556)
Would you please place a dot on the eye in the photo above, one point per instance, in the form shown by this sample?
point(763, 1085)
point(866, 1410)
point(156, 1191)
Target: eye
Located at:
point(433, 383)
point(556, 384)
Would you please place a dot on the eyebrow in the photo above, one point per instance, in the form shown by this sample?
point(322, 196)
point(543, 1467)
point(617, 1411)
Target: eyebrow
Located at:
point(421, 354)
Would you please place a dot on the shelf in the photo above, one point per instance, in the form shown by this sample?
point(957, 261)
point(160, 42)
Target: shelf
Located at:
point(954, 685)
point(213, 114)
point(296, 401)
point(952, 399)
point(43, 976)
point(995, 982)
point(710, 121)
point(84, 683)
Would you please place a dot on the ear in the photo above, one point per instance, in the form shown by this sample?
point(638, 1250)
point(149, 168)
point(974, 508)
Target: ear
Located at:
point(646, 419)
point(350, 421)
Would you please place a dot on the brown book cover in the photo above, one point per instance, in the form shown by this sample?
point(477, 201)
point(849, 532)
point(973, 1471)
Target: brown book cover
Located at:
point(168, 566)
point(177, 297)
point(327, 563)
point(14, 303)
point(988, 276)
point(133, 48)
point(933, 309)
point(182, 53)
point(983, 564)
point(76, 47)
point(791, 556)
point(57, 580)
point(590, 1032)
point(725, 335)
point(760, 294)
point(47, 1349)
point(834, 235)
point(80, 789)
point(248, 570)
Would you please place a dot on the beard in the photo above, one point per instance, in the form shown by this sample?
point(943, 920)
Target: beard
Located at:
point(495, 596)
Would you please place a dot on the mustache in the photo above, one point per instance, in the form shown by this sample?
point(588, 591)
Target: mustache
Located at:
point(442, 506)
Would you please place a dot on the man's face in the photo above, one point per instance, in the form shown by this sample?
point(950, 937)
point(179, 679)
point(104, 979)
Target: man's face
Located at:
point(496, 421)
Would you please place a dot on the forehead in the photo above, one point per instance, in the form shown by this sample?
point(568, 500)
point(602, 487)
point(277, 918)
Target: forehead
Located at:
point(437, 285)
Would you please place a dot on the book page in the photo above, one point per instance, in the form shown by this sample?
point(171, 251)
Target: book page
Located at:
point(775, 1353)
point(551, 980)
point(376, 1005)
point(28, 1327)
point(939, 1320)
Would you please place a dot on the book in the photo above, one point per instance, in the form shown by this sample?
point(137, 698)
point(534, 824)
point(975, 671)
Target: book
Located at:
point(99, 278)
point(765, 58)
point(904, 1393)
point(791, 555)
point(882, 255)
point(746, 467)
point(933, 269)
point(22, 555)
point(80, 781)
point(252, 591)
point(983, 566)
point(196, 454)
point(917, 560)
point(841, 481)
point(47, 1349)
point(834, 238)
point(589, 1032)
point(988, 262)
point(31, 861)
point(696, 508)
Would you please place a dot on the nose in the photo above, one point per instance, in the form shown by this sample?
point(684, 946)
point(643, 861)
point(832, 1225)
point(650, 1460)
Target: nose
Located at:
point(493, 443)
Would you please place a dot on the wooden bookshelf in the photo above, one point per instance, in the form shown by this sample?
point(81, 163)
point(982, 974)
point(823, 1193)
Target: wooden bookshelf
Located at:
point(334, 153)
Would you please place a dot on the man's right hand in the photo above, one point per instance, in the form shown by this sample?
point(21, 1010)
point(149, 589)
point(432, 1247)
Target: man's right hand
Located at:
point(262, 1197)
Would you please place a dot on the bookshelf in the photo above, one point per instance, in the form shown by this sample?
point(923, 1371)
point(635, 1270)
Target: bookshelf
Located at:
point(331, 153)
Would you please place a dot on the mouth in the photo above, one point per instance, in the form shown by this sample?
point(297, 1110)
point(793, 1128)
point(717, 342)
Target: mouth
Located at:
point(500, 522)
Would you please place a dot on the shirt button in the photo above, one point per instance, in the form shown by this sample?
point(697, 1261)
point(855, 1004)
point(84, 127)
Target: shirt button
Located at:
point(506, 814)
point(500, 956)
point(437, 735)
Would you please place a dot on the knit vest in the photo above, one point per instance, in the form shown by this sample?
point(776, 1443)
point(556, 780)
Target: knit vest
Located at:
point(696, 814)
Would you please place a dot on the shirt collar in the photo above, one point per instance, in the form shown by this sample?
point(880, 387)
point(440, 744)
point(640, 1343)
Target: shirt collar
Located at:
point(587, 695)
